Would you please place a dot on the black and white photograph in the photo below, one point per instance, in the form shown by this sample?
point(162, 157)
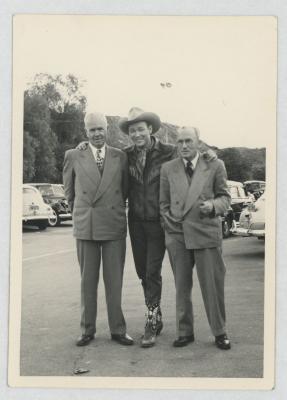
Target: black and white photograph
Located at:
point(143, 202)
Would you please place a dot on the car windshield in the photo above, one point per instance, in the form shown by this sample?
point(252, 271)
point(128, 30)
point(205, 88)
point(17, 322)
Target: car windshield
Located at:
point(58, 190)
point(237, 192)
point(51, 190)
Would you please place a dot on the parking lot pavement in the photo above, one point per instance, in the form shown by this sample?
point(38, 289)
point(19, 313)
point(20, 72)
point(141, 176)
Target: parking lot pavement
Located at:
point(51, 312)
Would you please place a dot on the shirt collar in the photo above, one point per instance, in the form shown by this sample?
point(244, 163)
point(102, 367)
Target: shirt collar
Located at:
point(193, 161)
point(95, 149)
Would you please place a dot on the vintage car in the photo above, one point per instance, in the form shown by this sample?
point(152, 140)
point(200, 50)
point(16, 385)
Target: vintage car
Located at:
point(252, 220)
point(54, 195)
point(35, 211)
point(239, 200)
point(255, 188)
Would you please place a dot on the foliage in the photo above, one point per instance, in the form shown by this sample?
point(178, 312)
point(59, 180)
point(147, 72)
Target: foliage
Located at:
point(243, 164)
point(40, 142)
point(53, 122)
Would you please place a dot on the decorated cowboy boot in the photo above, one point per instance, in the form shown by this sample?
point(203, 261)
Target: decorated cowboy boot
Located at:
point(148, 339)
point(159, 324)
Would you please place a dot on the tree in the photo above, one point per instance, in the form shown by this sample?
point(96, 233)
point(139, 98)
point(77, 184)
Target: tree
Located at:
point(29, 156)
point(40, 142)
point(243, 164)
point(59, 117)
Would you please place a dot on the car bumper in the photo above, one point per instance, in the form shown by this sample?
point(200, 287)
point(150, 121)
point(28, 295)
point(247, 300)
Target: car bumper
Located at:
point(248, 232)
point(65, 216)
point(35, 218)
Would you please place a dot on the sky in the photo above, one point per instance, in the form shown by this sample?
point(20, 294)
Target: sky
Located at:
point(222, 69)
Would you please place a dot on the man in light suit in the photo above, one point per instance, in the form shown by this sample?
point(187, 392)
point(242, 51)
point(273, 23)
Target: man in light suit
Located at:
point(193, 196)
point(96, 186)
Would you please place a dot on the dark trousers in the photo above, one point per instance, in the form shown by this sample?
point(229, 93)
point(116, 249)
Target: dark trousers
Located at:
point(90, 253)
point(148, 246)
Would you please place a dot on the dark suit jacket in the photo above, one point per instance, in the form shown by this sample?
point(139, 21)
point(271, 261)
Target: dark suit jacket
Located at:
point(98, 202)
point(179, 201)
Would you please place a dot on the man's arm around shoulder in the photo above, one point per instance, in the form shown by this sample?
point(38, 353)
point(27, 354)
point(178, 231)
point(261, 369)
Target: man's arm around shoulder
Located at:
point(222, 196)
point(69, 177)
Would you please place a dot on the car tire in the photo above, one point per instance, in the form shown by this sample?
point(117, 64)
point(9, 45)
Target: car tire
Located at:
point(226, 229)
point(42, 225)
point(53, 221)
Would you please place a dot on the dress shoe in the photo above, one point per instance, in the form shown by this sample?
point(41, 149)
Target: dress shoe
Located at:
point(84, 340)
point(124, 339)
point(182, 341)
point(222, 342)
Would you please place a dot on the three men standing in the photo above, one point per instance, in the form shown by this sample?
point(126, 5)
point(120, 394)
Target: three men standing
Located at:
point(184, 195)
point(96, 187)
point(193, 194)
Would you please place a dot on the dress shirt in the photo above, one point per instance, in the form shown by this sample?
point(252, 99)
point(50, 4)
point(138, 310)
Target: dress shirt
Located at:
point(95, 150)
point(193, 161)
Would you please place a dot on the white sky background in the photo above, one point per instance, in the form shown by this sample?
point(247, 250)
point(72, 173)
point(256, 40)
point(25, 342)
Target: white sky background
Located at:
point(222, 69)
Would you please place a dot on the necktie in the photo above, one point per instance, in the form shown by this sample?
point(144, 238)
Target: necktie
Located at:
point(99, 159)
point(189, 168)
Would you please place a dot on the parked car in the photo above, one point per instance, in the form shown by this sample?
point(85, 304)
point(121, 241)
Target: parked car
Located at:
point(54, 195)
point(252, 220)
point(239, 200)
point(255, 188)
point(35, 210)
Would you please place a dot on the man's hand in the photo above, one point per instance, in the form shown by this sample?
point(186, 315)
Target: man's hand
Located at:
point(82, 146)
point(206, 208)
point(209, 155)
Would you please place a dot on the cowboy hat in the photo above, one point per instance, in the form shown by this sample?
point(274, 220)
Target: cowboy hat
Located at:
point(138, 115)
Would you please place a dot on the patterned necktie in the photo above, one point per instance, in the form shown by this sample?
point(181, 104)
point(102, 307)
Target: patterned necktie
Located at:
point(99, 159)
point(189, 168)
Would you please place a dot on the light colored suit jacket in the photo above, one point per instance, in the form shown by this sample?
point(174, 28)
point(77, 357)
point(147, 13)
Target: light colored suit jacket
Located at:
point(97, 201)
point(179, 201)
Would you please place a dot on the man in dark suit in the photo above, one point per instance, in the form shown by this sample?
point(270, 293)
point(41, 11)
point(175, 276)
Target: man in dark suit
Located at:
point(193, 196)
point(96, 187)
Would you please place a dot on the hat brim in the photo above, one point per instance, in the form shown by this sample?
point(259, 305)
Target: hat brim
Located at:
point(151, 118)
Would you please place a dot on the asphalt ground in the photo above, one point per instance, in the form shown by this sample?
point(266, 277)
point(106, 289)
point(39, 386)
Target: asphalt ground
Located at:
point(51, 314)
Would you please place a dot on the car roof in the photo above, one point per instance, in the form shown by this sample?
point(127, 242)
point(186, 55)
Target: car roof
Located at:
point(39, 184)
point(234, 183)
point(28, 186)
point(255, 181)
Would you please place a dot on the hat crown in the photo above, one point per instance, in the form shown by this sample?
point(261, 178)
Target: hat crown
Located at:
point(134, 113)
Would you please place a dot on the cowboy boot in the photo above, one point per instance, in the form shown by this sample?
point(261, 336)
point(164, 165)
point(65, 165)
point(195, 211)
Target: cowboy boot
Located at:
point(148, 339)
point(159, 324)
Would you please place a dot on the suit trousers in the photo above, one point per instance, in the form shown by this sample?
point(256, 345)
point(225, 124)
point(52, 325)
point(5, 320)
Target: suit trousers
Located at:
point(211, 273)
point(90, 253)
point(147, 240)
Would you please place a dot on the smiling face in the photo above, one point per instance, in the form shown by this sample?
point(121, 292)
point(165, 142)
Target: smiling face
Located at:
point(187, 143)
point(140, 132)
point(96, 134)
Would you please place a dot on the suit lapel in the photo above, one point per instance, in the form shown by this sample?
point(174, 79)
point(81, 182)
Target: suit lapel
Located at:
point(110, 168)
point(88, 162)
point(200, 176)
point(180, 179)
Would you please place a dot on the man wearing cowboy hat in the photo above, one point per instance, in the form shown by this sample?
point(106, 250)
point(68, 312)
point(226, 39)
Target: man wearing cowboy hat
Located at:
point(147, 237)
point(96, 186)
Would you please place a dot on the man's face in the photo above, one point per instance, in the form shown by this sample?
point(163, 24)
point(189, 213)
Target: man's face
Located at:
point(187, 144)
point(97, 134)
point(140, 132)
